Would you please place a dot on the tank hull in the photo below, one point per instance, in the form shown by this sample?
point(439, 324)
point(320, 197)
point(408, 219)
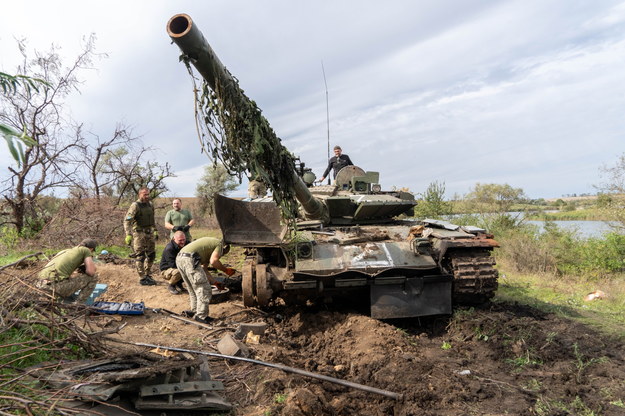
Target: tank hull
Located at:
point(402, 268)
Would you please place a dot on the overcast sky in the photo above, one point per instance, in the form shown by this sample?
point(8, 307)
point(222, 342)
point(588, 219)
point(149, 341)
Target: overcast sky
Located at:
point(530, 92)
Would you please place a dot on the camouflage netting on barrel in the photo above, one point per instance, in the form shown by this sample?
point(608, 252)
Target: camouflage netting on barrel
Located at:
point(233, 131)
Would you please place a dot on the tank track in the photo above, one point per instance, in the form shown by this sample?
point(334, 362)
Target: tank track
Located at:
point(475, 278)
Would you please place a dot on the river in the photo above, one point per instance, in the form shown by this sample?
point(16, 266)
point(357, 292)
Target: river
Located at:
point(585, 229)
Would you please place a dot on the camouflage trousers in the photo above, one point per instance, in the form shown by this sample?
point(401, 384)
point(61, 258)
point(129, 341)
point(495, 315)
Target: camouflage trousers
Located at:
point(143, 243)
point(171, 275)
point(198, 285)
point(67, 287)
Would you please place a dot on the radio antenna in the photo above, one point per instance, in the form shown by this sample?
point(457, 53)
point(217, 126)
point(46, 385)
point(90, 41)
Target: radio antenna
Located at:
point(327, 110)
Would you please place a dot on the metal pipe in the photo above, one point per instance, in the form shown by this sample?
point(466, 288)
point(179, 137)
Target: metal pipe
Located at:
point(385, 393)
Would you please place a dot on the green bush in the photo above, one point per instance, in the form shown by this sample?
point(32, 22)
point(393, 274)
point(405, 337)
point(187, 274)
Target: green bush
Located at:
point(9, 237)
point(561, 251)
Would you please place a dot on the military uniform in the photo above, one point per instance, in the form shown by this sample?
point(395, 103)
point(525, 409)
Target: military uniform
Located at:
point(192, 262)
point(179, 218)
point(140, 224)
point(56, 277)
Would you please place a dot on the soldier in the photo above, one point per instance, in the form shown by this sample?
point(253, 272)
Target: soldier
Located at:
point(59, 279)
point(336, 162)
point(179, 219)
point(168, 263)
point(192, 261)
point(256, 189)
point(141, 231)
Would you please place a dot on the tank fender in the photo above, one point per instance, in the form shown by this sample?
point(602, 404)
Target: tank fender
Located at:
point(441, 246)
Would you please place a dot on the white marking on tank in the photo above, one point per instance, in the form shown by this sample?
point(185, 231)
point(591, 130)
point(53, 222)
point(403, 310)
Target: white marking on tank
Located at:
point(360, 259)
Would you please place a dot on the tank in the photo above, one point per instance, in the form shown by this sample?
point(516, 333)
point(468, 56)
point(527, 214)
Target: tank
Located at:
point(350, 240)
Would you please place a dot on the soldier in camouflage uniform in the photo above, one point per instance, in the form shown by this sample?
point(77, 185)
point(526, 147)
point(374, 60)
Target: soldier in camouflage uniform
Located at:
point(141, 232)
point(192, 261)
point(58, 277)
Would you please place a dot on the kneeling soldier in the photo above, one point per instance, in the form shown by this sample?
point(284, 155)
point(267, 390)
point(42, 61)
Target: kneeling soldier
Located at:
point(168, 262)
point(59, 279)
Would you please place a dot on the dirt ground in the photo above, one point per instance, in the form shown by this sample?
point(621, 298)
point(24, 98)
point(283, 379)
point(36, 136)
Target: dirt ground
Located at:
point(501, 359)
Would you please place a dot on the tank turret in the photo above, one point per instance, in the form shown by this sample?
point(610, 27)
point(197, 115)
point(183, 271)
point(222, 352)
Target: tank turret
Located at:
point(353, 239)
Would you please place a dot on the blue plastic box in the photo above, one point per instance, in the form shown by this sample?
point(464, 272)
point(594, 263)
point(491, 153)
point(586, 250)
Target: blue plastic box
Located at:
point(99, 289)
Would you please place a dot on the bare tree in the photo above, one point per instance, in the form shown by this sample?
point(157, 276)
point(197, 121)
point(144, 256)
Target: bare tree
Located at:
point(50, 163)
point(128, 171)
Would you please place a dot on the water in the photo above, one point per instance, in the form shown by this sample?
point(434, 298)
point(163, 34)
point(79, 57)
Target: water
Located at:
point(585, 229)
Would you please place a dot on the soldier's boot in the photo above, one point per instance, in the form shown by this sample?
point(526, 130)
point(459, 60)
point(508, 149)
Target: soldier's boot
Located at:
point(143, 279)
point(148, 266)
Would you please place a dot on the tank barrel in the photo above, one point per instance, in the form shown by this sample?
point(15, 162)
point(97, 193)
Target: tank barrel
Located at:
point(185, 33)
point(196, 50)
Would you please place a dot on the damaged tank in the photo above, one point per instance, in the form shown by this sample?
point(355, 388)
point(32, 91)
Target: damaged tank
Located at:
point(350, 238)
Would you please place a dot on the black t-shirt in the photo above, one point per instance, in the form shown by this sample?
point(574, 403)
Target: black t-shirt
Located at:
point(337, 163)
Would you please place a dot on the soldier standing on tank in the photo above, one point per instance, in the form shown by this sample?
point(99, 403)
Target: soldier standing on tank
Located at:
point(193, 261)
point(336, 163)
point(59, 279)
point(179, 219)
point(141, 231)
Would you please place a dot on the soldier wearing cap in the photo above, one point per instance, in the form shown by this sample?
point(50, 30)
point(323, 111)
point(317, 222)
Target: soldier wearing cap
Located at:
point(70, 271)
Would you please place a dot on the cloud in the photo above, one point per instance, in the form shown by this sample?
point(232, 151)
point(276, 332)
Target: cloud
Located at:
point(521, 92)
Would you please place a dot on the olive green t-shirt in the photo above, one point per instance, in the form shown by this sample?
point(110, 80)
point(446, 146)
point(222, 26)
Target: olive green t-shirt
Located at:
point(204, 247)
point(175, 218)
point(64, 263)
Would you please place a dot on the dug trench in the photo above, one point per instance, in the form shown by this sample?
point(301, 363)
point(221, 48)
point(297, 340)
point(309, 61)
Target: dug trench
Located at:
point(497, 359)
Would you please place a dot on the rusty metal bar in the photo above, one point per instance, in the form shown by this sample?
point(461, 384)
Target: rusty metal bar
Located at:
point(385, 393)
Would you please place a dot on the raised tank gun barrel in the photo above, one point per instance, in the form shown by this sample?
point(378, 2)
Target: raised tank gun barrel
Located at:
point(185, 33)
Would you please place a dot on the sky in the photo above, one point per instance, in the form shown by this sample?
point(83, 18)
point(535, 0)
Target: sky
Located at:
point(529, 93)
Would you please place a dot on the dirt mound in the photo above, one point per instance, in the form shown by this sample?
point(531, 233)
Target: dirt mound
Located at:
point(501, 359)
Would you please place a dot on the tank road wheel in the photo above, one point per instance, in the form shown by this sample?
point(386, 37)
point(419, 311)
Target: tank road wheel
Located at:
point(475, 278)
point(263, 290)
point(247, 284)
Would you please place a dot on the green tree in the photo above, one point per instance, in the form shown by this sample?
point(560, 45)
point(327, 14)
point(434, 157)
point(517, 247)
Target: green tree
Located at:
point(216, 180)
point(17, 141)
point(432, 203)
point(493, 203)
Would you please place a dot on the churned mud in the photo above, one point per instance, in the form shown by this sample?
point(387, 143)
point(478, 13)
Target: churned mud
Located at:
point(500, 359)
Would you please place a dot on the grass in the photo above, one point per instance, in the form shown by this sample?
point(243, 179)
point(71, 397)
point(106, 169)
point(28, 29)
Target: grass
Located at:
point(564, 296)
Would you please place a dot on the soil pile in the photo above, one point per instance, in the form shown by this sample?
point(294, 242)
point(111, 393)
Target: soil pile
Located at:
point(495, 360)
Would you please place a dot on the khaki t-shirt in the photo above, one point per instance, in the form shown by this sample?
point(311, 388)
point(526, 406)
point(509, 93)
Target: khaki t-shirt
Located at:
point(204, 247)
point(64, 263)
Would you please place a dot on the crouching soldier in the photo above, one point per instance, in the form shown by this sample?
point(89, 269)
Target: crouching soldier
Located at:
point(193, 261)
point(58, 277)
point(168, 262)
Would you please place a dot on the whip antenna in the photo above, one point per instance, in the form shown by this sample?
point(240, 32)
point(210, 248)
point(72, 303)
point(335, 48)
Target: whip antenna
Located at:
point(327, 111)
